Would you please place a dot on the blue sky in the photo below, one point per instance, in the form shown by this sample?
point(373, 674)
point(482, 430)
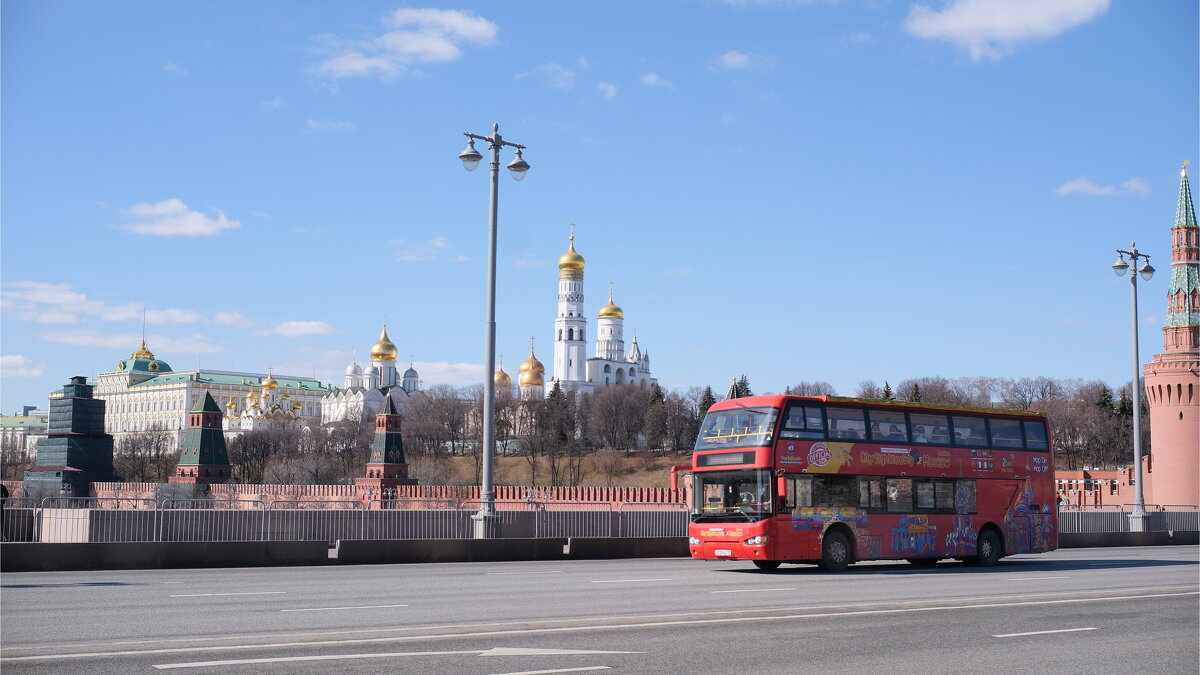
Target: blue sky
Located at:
point(833, 191)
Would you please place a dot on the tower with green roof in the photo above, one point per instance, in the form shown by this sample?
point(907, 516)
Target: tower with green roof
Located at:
point(387, 467)
point(203, 458)
point(1173, 377)
point(76, 452)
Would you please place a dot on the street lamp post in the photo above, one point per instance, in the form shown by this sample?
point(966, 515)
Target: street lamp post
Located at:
point(485, 519)
point(1137, 517)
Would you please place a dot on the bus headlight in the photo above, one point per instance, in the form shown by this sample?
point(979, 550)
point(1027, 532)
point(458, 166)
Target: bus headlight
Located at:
point(757, 541)
point(692, 541)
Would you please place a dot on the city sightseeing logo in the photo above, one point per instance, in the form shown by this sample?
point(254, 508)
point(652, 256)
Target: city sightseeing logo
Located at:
point(819, 454)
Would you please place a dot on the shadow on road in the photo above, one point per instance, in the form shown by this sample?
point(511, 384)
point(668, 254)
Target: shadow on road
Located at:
point(1006, 566)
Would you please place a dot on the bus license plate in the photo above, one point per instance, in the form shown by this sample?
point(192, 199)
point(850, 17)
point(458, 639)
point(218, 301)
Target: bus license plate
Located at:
point(723, 551)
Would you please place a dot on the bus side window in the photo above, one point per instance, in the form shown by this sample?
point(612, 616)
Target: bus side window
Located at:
point(804, 421)
point(924, 490)
point(1005, 433)
point(1035, 435)
point(835, 491)
point(799, 492)
point(870, 493)
point(899, 495)
point(944, 495)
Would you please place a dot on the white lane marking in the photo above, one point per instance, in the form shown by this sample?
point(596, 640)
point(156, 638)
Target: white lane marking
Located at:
point(1033, 578)
point(500, 574)
point(330, 609)
point(498, 651)
point(596, 627)
point(297, 659)
point(530, 651)
point(558, 670)
point(206, 595)
point(1127, 564)
point(625, 581)
point(754, 590)
point(1044, 632)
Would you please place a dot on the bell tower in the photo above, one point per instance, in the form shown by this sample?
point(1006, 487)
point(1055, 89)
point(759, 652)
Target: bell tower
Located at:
point(570, 326)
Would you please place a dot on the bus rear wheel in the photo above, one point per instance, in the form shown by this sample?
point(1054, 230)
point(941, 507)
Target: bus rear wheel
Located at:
point(767, 565)
point(835, 552)
point(988, 549)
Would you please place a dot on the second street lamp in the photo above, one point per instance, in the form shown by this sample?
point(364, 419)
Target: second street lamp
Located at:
point(485, 519)
point(1137, 517)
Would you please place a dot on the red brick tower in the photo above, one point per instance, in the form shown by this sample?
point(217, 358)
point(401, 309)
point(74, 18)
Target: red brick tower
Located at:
point(1173, 377)
point(203, 458)
point(387, 467)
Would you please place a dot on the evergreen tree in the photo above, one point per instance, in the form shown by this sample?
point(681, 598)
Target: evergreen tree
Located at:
point(787, 391)
point(706, 400)
point(914, 393)
point(744, 387)
point(1104, 399)
point(888, 395)
point(1125, 404)
point(655, 423)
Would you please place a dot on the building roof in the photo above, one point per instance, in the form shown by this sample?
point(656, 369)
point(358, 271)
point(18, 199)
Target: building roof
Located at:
point(217, 377)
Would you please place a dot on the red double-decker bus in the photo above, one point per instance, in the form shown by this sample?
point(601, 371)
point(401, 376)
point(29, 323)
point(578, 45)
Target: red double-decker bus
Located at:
point(833, 480)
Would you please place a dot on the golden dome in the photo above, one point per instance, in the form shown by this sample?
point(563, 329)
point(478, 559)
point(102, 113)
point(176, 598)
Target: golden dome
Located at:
point(502, 379)
point(142, 352)
point(270, 382)
point(230, 405)
point(385, 349)
point(252, 395)
point(571, 260)
point(611, 311)
point(532, 372)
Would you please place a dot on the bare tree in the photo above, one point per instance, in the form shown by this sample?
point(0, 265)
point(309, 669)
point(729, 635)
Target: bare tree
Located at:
point(868, 389)
point(818, 388)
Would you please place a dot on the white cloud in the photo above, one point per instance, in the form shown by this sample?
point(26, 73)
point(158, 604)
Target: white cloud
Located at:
point(607, 90)
point(232, 319)
point(173, 218)
point(992, 28)
point(654, 80)
point(271, 104)
point(430, 250)
point(303, 328)
point(332, 126)
point(1084, 186)
point(735, 60)
point(160, 344)
point(16, 365)
point(554, 75)
point(456, 374)
point(173, 68)
point(41, 302)
point(410, 36)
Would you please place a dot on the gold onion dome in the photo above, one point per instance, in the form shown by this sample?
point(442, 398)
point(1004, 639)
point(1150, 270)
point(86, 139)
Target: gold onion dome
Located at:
point(532, 372)
point(611, 311)
point(571, 260)
point(502, 379)
point(270, 382)
point(230, 405)
point(142, 352)
point(385, 349)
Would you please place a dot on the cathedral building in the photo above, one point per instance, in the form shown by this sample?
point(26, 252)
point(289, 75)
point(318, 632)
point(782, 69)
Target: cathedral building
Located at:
point(1173, 377)
point(365, 390)
point(612, 364)
point(143, 393)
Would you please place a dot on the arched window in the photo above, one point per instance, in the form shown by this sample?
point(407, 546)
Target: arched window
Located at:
point(570, 334)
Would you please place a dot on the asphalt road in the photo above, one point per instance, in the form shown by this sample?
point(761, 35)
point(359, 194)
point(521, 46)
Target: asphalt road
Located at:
point(1070, 611)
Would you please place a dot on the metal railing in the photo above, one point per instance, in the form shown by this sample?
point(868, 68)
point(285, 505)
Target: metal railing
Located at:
point(63, 519)
point(71, 519)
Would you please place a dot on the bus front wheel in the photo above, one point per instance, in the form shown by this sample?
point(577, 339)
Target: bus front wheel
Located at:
point(835, 552)
point(988, 548)
point(767, 565)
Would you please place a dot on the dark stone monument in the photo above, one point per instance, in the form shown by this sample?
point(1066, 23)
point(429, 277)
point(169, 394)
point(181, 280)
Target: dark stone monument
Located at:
point(76, 452)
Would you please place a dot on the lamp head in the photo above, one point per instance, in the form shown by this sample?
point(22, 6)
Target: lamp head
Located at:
point(518, 166)
point(1147, 271)
point(1120, 266)
point(470, 157)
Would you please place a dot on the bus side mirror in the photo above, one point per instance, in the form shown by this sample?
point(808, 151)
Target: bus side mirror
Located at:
point(781, 487)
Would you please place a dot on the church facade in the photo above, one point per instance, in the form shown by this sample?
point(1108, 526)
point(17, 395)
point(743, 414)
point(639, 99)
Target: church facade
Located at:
point(365, 391)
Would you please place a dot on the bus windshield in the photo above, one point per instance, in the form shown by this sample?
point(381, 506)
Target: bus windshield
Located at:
point(745, 427)
point(732, 495)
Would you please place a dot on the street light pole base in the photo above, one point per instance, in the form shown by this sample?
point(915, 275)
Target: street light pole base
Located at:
point(487, 525)
point(1137, 520)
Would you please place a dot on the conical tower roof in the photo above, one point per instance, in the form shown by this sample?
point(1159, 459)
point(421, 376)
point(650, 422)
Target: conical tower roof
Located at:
point(1185, 213)
point(206, 404)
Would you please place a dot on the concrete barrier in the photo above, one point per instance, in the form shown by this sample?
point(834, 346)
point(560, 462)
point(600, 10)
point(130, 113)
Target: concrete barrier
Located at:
point(360, 551)
point(1094, 539)
point(39, 557)
point(593, 548)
